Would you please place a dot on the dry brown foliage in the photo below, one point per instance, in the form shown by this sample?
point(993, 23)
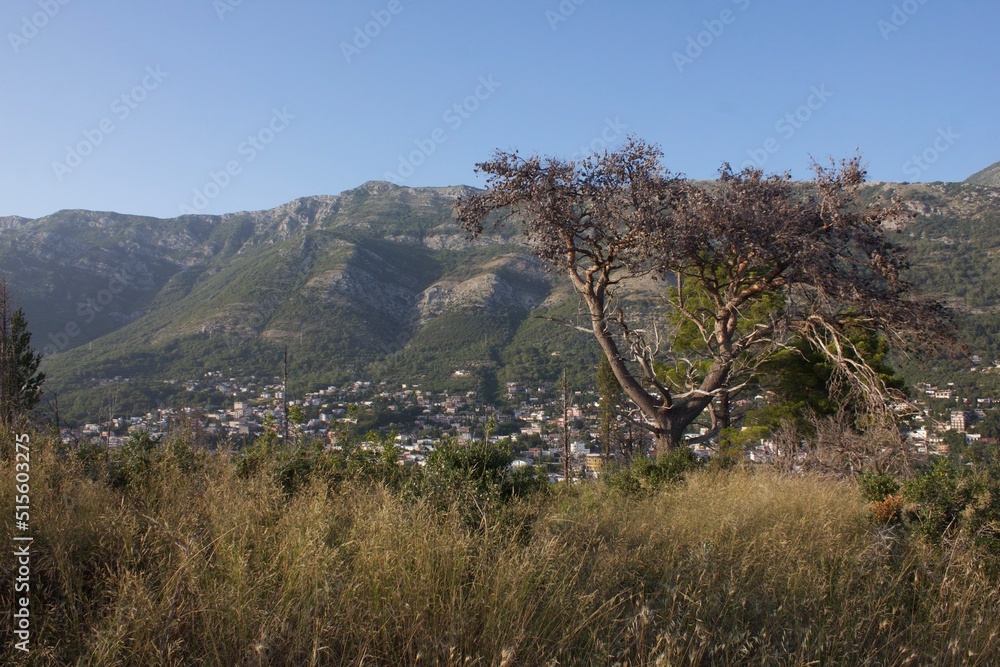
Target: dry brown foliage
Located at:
point(749, 263)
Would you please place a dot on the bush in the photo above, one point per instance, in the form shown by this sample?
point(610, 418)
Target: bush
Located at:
point(376, 462)
point(876, 487)
point(646, 474)
point(734, 443)
point(294, 467)
point(934, 500)
point(949, 500)
point(481, 469)
point(477, 480)
point(132, 464)
point(92, 458)
point(251, 460)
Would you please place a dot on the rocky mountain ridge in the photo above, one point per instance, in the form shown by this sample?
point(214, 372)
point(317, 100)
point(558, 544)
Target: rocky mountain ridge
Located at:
point(989, 176)
point(378, 281)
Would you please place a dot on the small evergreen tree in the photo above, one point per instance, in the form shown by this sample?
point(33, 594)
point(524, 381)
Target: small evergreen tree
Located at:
point(20, 380)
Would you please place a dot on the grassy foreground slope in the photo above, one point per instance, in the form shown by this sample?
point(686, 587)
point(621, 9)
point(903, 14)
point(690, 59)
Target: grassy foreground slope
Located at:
point(183, 560)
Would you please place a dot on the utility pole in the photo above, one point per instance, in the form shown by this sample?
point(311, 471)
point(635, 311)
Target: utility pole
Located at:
point(54, 406)
point(284, 397)
point(566, 467)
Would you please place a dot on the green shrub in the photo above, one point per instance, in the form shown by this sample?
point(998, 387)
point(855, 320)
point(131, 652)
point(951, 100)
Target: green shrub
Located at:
point(295, 467)
point(479, 469)
point(250, 461)
point(949, 499)
point(934, 498)
point(132, 464)
point(373, 460)
point(92, 458)
point(876, 487)
point(646, 474)
point(376, 461)
point(178, 453)
point(478, 482)
point(734, 443)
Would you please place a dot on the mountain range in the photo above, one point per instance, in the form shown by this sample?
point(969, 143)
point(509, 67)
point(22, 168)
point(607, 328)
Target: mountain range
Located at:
point(378, 282)
point(989, 176)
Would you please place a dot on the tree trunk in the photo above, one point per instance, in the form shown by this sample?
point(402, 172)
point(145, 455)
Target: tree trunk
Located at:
point(669, 417)
point(668, 433)
point(664, 442)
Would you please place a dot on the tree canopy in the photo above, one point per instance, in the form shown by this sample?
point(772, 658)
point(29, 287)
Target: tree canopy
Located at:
point(746, 266)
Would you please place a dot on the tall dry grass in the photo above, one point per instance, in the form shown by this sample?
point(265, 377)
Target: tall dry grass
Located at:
point(195, 565)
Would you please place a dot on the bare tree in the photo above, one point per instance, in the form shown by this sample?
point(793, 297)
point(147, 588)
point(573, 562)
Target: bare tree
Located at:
point(746, 265)
point(189, 426)
point(840, 450)
point(52, 406)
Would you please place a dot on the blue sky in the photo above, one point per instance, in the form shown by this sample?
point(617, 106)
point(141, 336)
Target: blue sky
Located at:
point(215, 106)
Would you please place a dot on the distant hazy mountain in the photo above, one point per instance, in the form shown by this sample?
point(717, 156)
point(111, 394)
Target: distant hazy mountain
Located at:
point(377, 282)
point(989, 176)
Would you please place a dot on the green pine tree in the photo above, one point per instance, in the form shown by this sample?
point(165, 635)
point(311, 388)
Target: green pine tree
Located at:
point(20, 380)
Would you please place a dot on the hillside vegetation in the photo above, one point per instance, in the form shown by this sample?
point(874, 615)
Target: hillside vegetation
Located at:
point(370, 284)
point(159, 555)
point(989, 176)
